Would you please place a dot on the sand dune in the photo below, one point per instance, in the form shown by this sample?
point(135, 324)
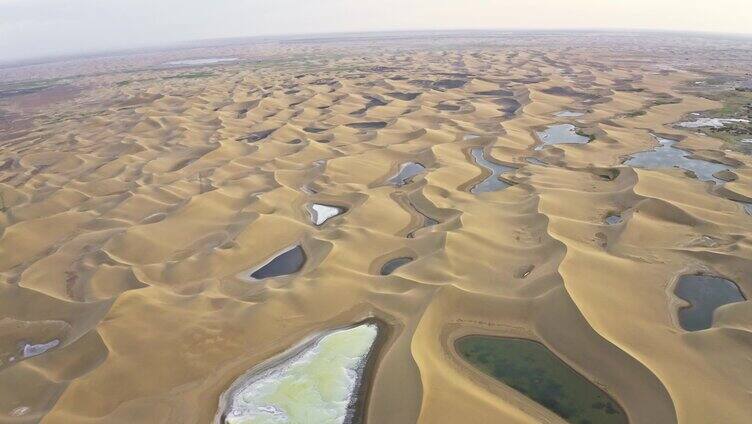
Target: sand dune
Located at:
point(136, 210)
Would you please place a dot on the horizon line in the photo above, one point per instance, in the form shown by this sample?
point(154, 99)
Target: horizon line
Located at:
point(195, 43)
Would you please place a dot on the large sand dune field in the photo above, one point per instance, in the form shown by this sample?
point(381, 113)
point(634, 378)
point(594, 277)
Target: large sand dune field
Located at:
point(159, 240)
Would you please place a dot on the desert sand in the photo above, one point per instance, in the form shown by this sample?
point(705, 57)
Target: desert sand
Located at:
point(137, 195)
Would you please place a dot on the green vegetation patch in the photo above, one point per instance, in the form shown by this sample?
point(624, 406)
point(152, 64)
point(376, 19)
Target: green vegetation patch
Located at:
point(533, 370)
point(584, 133)
point(665, 99)
point(635, 113)
point(737, 104)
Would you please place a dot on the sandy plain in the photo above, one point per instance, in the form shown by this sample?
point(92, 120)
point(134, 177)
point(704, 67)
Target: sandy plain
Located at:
point(133, 199)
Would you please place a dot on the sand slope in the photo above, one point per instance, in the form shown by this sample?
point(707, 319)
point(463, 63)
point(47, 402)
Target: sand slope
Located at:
point(125, 226)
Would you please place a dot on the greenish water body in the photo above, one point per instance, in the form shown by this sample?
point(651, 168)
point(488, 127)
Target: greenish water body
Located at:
point(533, 370)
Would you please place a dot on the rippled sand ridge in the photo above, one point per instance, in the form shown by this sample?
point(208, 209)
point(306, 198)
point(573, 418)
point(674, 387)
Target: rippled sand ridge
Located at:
point(187, 235)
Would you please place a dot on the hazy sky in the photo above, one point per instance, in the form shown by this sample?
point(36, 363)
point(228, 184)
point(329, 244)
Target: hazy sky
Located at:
point(36, 28)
